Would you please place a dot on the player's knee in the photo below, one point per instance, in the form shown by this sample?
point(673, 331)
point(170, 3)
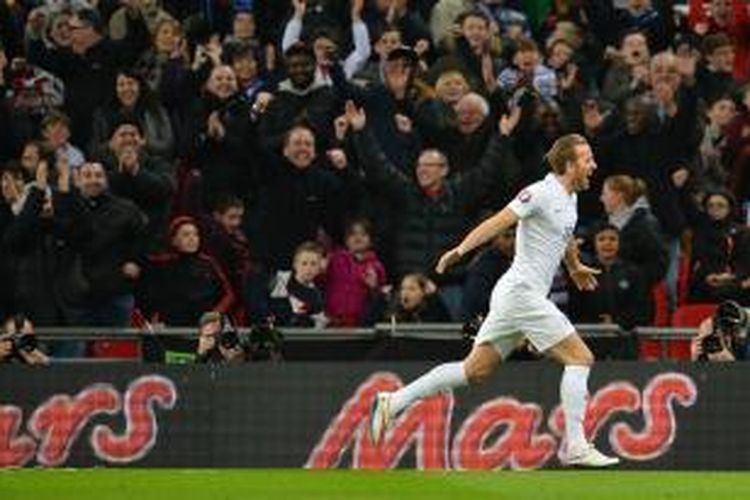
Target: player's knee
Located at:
point(478, 373)
point(586, 358)
point(477, 376)
point(481, 363)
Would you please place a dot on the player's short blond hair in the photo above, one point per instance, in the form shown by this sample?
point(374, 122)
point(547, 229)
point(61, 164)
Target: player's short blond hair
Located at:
point(563, 151)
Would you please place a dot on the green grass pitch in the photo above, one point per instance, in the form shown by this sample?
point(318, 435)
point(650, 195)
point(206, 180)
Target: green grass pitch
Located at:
point(219, 484)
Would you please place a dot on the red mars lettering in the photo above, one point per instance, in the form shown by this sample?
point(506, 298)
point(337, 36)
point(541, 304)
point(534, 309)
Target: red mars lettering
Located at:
point(55, 426)
point(426, 423)
point(58, 422)
point(142, 427)
point(520, 447)
point(15, 450)
point(661, 425)
point(513, 425)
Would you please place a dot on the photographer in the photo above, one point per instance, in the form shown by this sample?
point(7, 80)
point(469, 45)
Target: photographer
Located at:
point(723, 336)
point(18, 342)
point(218, 342)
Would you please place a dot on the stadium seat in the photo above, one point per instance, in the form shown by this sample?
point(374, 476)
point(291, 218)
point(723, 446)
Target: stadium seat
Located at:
point(691, 315)
point(119, 349)
point(683, 280)
point(650, 350)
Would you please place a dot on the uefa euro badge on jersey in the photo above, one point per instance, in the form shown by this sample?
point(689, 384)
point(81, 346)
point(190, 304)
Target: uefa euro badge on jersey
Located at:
point(524, 196)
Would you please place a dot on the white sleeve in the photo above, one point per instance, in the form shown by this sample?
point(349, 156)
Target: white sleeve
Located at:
point(292, 33)
point(529, 201)
point(361, 53)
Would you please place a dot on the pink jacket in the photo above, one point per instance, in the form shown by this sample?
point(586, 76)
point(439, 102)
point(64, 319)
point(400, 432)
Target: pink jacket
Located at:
point(347, 293)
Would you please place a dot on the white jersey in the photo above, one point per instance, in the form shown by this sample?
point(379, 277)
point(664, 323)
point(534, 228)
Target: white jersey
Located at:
point(548, 216)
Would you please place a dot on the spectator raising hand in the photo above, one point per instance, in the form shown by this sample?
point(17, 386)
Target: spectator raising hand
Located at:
point(356, 116)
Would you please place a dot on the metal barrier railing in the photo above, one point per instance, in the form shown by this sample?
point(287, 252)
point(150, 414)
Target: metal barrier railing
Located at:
point(365, 342)
point(422, 331)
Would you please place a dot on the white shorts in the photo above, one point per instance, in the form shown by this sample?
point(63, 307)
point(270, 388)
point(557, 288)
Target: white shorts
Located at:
point(516, 312)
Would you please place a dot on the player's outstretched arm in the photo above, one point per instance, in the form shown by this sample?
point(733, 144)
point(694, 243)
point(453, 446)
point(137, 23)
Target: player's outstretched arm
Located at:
point(481, 234)
point(583, 276)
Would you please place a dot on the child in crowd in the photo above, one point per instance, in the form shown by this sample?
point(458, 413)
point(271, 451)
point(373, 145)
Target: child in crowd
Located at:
point(418, 302)
point(295, 299)
point(355, 276)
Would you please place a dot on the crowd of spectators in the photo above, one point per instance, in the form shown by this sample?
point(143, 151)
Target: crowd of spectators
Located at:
point(307, 162)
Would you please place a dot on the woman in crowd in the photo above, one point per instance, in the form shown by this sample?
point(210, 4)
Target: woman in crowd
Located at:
point(721, 253)
point(641, 241)
point(133, 101)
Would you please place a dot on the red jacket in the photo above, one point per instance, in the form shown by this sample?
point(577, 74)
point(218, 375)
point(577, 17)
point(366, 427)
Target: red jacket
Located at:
point(738, 30)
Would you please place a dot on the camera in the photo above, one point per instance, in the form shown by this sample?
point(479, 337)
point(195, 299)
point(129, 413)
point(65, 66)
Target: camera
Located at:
point(265, 342)
point(729, 324)
point(229, 337)
point(471, 327)
point(21, 342)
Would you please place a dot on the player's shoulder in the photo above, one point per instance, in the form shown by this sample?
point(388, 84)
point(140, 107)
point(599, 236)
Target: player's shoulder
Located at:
point(534, 192)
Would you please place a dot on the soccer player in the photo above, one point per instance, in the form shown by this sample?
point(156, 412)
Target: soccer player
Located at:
point(546, 215)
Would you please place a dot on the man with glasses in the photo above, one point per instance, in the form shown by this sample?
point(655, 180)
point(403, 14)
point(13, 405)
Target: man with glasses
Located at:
point(436, 208)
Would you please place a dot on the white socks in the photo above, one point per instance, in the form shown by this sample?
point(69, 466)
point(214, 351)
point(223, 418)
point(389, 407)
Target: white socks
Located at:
point(441, 378)
point(573, 391)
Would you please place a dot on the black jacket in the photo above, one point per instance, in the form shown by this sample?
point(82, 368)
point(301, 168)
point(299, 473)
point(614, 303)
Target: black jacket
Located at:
point(294, 204)
point(45, 278)
point(315, 106)
point(642, 243)
point(432, 310)
point(719, 247)
point(229, 165)
point(150, 189)
point(429, 226)
point(179, 288)
point(622, 294)
point(108, 232)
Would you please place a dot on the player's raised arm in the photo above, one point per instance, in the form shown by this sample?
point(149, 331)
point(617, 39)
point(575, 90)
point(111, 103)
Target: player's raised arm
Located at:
point(481, 234)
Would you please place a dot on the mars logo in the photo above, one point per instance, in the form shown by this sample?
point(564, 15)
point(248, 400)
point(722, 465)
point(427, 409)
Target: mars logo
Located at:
point(503, 432)
point(55, 425)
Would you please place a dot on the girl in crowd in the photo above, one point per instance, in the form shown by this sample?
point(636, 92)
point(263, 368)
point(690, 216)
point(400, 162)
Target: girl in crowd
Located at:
point(355, 276)
point(418, 302)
